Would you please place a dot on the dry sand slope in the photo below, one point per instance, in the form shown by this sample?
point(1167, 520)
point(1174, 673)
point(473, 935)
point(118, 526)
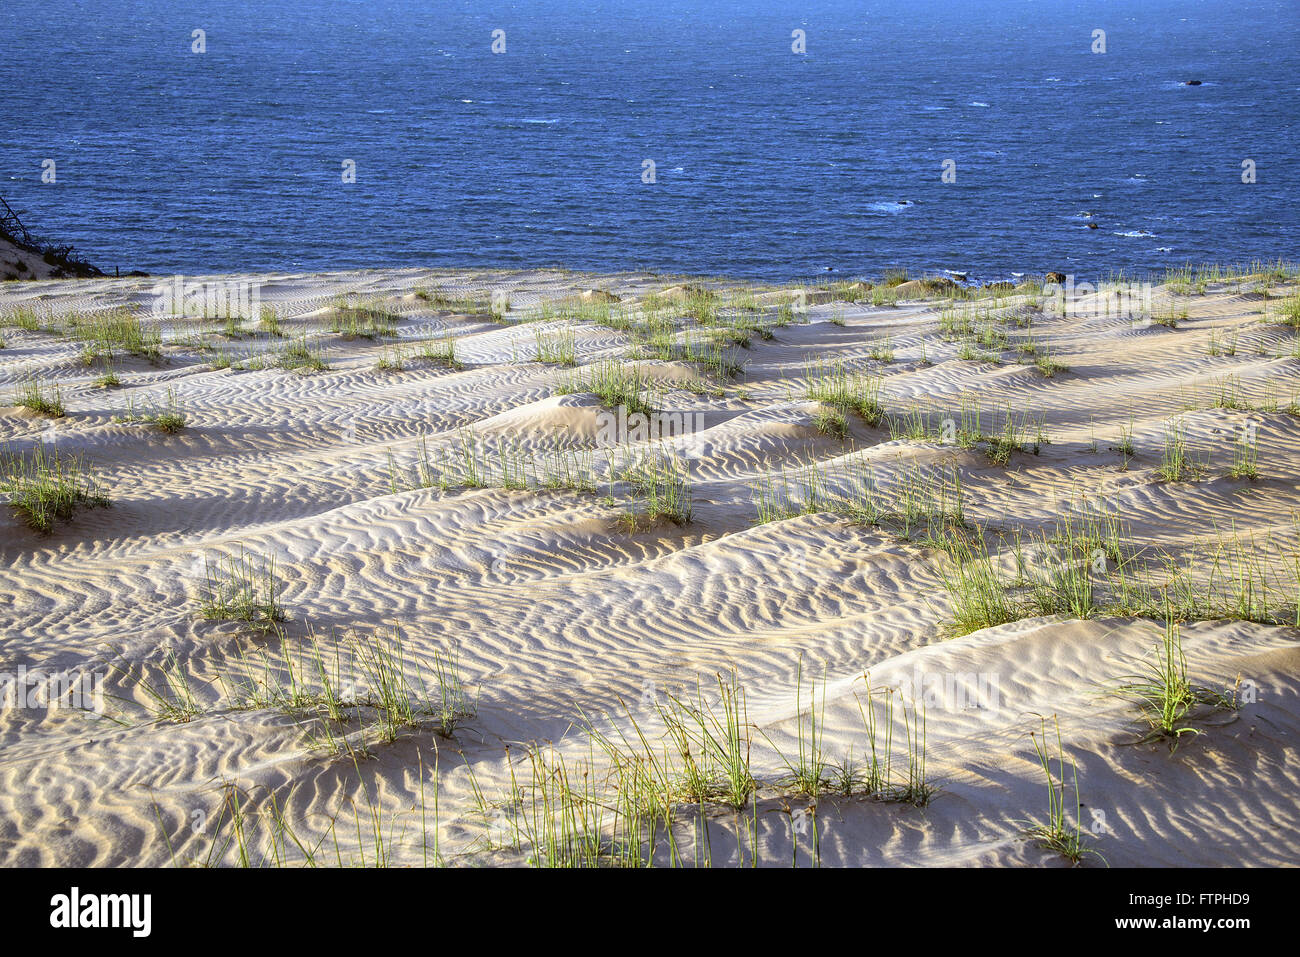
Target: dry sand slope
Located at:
point(557, 611)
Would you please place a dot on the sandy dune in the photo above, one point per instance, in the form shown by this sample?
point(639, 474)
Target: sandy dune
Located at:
point(559, 611)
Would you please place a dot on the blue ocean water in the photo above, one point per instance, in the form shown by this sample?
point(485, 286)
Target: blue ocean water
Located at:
point(768, 163)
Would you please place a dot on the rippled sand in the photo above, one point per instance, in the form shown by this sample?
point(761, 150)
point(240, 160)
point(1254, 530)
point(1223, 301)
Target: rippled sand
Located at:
point(558, 611)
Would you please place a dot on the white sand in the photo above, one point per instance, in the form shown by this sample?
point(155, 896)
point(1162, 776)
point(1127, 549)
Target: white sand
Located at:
point(558, 611)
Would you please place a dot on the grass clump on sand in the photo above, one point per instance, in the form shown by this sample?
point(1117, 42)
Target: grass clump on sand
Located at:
point(377, 689)
point(882, 351)
point(170, 418)
point(353, 319)
point(25, 318)
point(1167, 698)
point(884, 296)
point(830, 421)
point(453, 704)
point(469, 462)
point(832, 384)
point(1049, 367)
point(560, 816)
point(1000, 446)
point(242, 588)
point(33, 394)
point(1053, 576)
point(1014, 437)
point(1176, 464)
point(976, 587)
point(812, 775)
point(441, 351)
point(810, 772)
point(298, 356)
point(108, 380)
point(1090, 566)
point(615, 384)
point(46, 488)
point(713, 358)
point(1168, 317)
point(116, 333)
point(1288, 311)
point(397, 699)
point(393, 360)
point(446, 302)
point(919, 505)
point(1245, 456)
point(875, 776)
point(270, 323)
point(705, 761)
point(662, 483)
point(170, 698)
point(1056, 833)
point(712, 745)
point(556, 346)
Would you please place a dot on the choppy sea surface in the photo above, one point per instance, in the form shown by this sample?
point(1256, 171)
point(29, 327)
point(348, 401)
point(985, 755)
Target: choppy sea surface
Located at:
point(768, 163)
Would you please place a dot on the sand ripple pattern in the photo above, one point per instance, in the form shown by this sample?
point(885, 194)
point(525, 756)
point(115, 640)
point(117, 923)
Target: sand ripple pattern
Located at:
point(559, 611)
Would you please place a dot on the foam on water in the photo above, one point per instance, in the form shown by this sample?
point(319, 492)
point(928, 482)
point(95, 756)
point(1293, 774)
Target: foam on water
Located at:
point(172, 161)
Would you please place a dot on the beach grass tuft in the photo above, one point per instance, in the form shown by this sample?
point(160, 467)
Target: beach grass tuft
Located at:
point(47, 487)
point(245, 588)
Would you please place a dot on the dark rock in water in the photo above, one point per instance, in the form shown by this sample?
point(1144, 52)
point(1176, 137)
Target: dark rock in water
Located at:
point(1054, 277)
point(137, 273)
point(1093, 226)
point(1191, 82)
point(959, 276)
